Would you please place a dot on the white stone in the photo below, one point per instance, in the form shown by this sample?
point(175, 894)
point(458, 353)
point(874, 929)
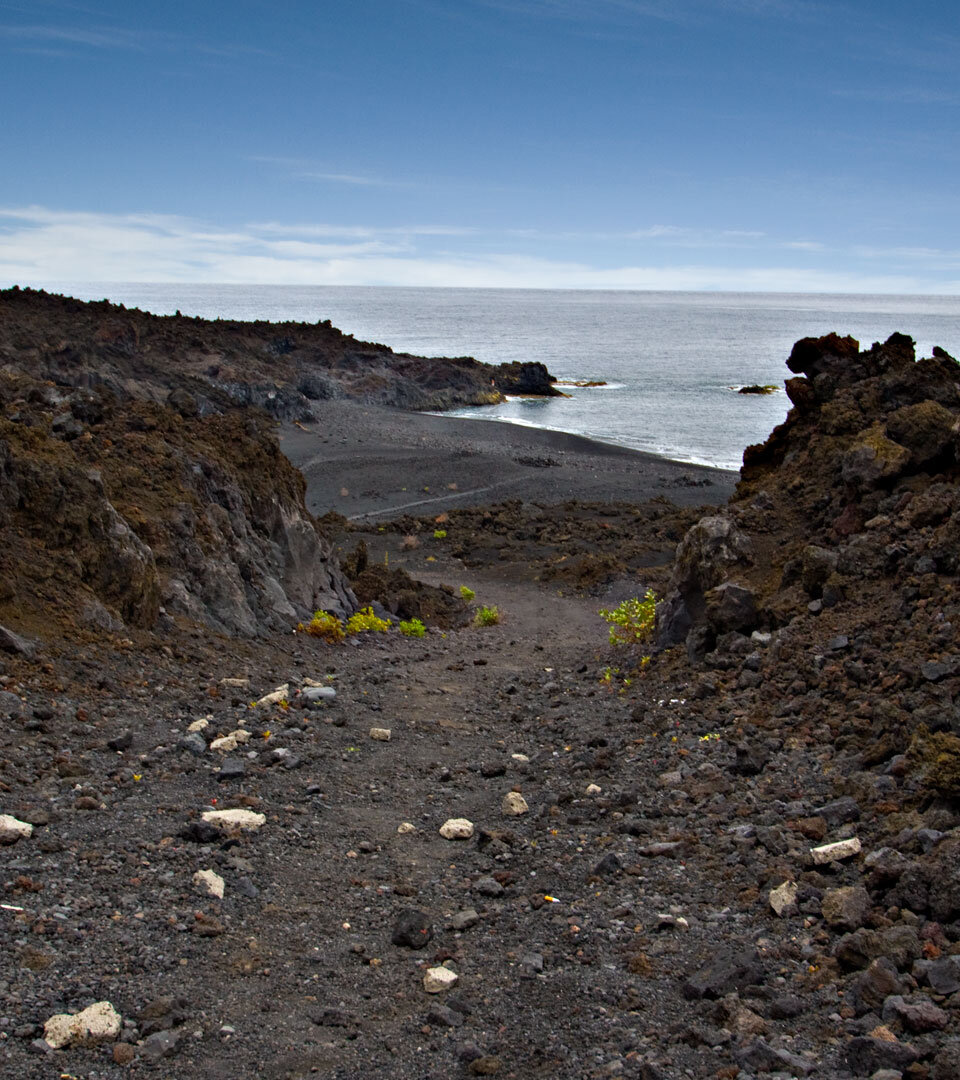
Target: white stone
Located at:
point(783, 897)
point(593, 789)
point(671, 779)
point(12, 830)
point(239, 684)
point(456, 828)
point(842, 849)
point(381, 734)
point(98, 1023)
point(405, 828)
point(275, 696)
point(522, 758)
point(226, 743)
point(208, 883)
point(316, 693)
point(514, 804)
point(248, 820)
point(199, 725)
point(438, 979)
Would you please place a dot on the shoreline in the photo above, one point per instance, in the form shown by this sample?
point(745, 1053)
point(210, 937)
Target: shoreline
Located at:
point(365, 461)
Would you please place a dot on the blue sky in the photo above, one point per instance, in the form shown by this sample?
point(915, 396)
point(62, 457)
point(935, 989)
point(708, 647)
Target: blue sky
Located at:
point(789, 145)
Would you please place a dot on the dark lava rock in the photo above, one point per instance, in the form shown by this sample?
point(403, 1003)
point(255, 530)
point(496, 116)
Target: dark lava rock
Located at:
point(763, 1057)
point(864, 1055)
point(412, 929)
point(943, 975)
point(161, 1044)
point(725, 973)
point(232, 769)
point(200, 832)
point(123, 741)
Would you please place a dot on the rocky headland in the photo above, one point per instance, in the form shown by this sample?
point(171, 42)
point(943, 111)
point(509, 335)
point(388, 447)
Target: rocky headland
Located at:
point(513, 849)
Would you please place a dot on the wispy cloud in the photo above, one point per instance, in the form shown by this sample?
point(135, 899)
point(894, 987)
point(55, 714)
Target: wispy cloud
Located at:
point(41, 246)
point(107, 37)
point(348, 178)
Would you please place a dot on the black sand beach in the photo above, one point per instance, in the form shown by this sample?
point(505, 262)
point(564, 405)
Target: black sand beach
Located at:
point(365, 461)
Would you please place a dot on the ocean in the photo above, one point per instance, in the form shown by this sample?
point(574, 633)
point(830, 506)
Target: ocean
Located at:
point(672, 362)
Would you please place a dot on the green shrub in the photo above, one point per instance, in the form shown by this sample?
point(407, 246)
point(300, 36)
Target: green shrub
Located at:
point(412, 628)
point(439, 534)
point(467, 593)
point(365, 620)
point(324, 625)
point(486, 616)
point(631, 622)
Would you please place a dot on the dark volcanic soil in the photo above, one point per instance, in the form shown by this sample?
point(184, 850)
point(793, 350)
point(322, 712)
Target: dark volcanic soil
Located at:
point(663, 907)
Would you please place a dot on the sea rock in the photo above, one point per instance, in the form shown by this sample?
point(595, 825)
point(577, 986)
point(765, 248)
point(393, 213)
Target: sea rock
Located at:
point(96, 1024)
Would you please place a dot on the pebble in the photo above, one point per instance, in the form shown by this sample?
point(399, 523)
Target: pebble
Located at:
point(514, 804)
point(412, 929)
point(380, 734)
point(783, 897)
point(436, 980)
point(198, 725)
point(98, 1023)
point(405, 828)
point(232, 769)
point(227, 743)
point(314, 695)
point(463, 920)
point(275, 696)
point(457, 828)
point(12, 830)
point(842, 849)
point(593, 789)
point(248, 820)
point(488, 886)
point(846, 908)
point(208, 883)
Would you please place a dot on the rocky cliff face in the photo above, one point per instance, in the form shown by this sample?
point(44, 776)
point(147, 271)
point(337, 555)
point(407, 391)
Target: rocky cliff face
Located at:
point(122, 514)
point(282, 368)
point(855, 493)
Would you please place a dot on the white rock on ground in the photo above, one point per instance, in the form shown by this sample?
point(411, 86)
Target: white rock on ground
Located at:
point(208, 883)
point(99, 1023)
point(226, 743)
point(199, 725)
point(842, 849)
point(381, 734)
point(438, 979)
point(514, 804)
point(406, 827)
point(593, 789)
point(457, 828)
point(238, 684)
point(783, 896)
point(248, 820)
point(12, 830)
point(275, 695)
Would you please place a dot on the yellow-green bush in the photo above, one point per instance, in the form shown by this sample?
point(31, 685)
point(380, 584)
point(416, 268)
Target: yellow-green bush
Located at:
point(324, 625)
point(365, 620)
point(631, 622)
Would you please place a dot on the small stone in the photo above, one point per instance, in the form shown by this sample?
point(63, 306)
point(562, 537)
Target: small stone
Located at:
point(412, 929)
point(405, 828)
point(198, 725)
point(514, 804)
point(123, 741)
point(235, 684)
point(317, 695)
point(593, 789)
point(12, 830)
point(275, 696)
point(463, 920)
point(96, 1024)
point(916, 1013)
point(456, 829)
point(441, 1016)
point(864, 1055)
point(247, 820)
point(784, 898)
point(123, 1053)
point(437, 980)
point(521, 758)
point(232, 769)
point(194, 743)
point(161, 1044)
point(846, 908)
point(208, 883)
point(226, 744)
point(484, 1066)
point(488, 886)
point(380, 734)
point(842, 849)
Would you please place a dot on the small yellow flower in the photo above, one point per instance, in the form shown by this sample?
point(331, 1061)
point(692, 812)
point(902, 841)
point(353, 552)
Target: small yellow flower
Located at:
point(138, 776)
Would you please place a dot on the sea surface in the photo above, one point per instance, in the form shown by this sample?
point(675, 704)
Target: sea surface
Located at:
point(672, 361)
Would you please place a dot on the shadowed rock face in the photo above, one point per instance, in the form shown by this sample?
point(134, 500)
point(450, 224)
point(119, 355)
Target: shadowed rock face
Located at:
point(119, 514)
